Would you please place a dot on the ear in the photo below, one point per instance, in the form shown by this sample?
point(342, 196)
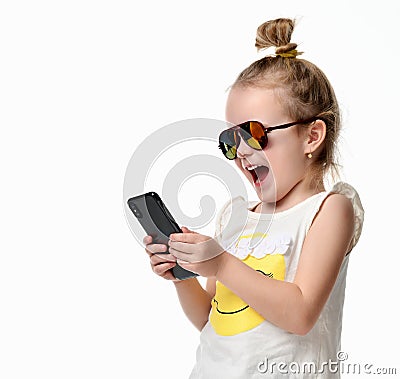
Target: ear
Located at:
point(315, 136)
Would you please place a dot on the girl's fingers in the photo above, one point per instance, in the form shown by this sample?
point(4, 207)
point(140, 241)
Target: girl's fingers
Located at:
point(179, 254)
point(147, 239)
point(160, 261)
point(169, 276)
point(162, 268)
point(155, 248)
point(187, 230)
point(161, 258)
point(186, 265)
point(181, 246)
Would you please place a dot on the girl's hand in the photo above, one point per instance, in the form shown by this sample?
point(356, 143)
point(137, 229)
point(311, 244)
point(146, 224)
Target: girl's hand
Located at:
point(161, 264)
point(196, 252)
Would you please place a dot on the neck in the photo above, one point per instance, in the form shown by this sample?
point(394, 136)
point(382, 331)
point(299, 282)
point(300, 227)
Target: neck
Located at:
point(300, 192)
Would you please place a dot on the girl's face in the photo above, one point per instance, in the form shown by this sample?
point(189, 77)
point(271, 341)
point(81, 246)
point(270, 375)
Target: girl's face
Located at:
point(283, 160)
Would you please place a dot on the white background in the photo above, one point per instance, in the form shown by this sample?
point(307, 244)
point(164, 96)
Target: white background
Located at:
point(82, 83)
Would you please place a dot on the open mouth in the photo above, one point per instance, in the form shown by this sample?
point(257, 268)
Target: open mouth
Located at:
point(259, 173)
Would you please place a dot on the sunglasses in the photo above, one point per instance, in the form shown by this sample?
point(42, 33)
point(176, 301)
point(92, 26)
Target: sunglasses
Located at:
point(253, 133)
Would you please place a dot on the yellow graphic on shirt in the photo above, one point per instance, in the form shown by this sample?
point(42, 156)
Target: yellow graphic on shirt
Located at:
point(229, 314)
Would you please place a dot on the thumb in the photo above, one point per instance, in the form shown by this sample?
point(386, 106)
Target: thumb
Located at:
point(187, 230)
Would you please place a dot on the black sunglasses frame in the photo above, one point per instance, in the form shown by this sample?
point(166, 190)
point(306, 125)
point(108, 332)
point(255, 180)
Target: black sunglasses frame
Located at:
point(267, 130)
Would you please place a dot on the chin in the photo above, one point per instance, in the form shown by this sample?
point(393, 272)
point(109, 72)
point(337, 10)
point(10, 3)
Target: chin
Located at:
point(267, 195)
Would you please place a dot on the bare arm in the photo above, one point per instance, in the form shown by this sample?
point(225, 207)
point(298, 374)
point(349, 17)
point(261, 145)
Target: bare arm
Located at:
point(296, 306)
point(195, 300)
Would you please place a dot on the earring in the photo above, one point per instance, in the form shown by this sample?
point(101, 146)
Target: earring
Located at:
point(309, 155)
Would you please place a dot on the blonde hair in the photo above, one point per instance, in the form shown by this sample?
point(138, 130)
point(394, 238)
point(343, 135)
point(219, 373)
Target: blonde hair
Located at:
point(302, 89)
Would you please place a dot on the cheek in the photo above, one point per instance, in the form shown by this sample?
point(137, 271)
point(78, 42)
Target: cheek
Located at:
point(276, 154)
point(286, 160)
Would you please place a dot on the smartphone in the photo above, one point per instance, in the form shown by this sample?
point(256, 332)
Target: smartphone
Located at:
point(157, 221)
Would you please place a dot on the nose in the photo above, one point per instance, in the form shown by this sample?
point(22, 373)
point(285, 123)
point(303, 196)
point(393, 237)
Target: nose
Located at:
point(243, 149)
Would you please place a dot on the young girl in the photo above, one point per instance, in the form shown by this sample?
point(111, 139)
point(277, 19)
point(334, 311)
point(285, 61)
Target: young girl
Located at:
point(272, 306)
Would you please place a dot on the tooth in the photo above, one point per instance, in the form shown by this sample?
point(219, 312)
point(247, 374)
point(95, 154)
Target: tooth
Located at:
point(252, 167)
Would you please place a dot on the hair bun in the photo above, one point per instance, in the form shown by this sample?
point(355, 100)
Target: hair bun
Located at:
point(276, 33)
point(284, 49)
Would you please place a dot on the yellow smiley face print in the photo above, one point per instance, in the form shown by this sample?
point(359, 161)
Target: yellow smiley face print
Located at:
point(229, 314)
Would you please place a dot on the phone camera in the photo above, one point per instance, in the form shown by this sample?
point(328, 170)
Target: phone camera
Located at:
point(135, 211)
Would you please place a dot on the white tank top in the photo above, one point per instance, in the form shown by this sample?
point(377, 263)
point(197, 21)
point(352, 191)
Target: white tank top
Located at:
point(237, 342)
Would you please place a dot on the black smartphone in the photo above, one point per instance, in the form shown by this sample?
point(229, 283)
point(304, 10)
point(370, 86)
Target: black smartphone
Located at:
point(157, 222)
